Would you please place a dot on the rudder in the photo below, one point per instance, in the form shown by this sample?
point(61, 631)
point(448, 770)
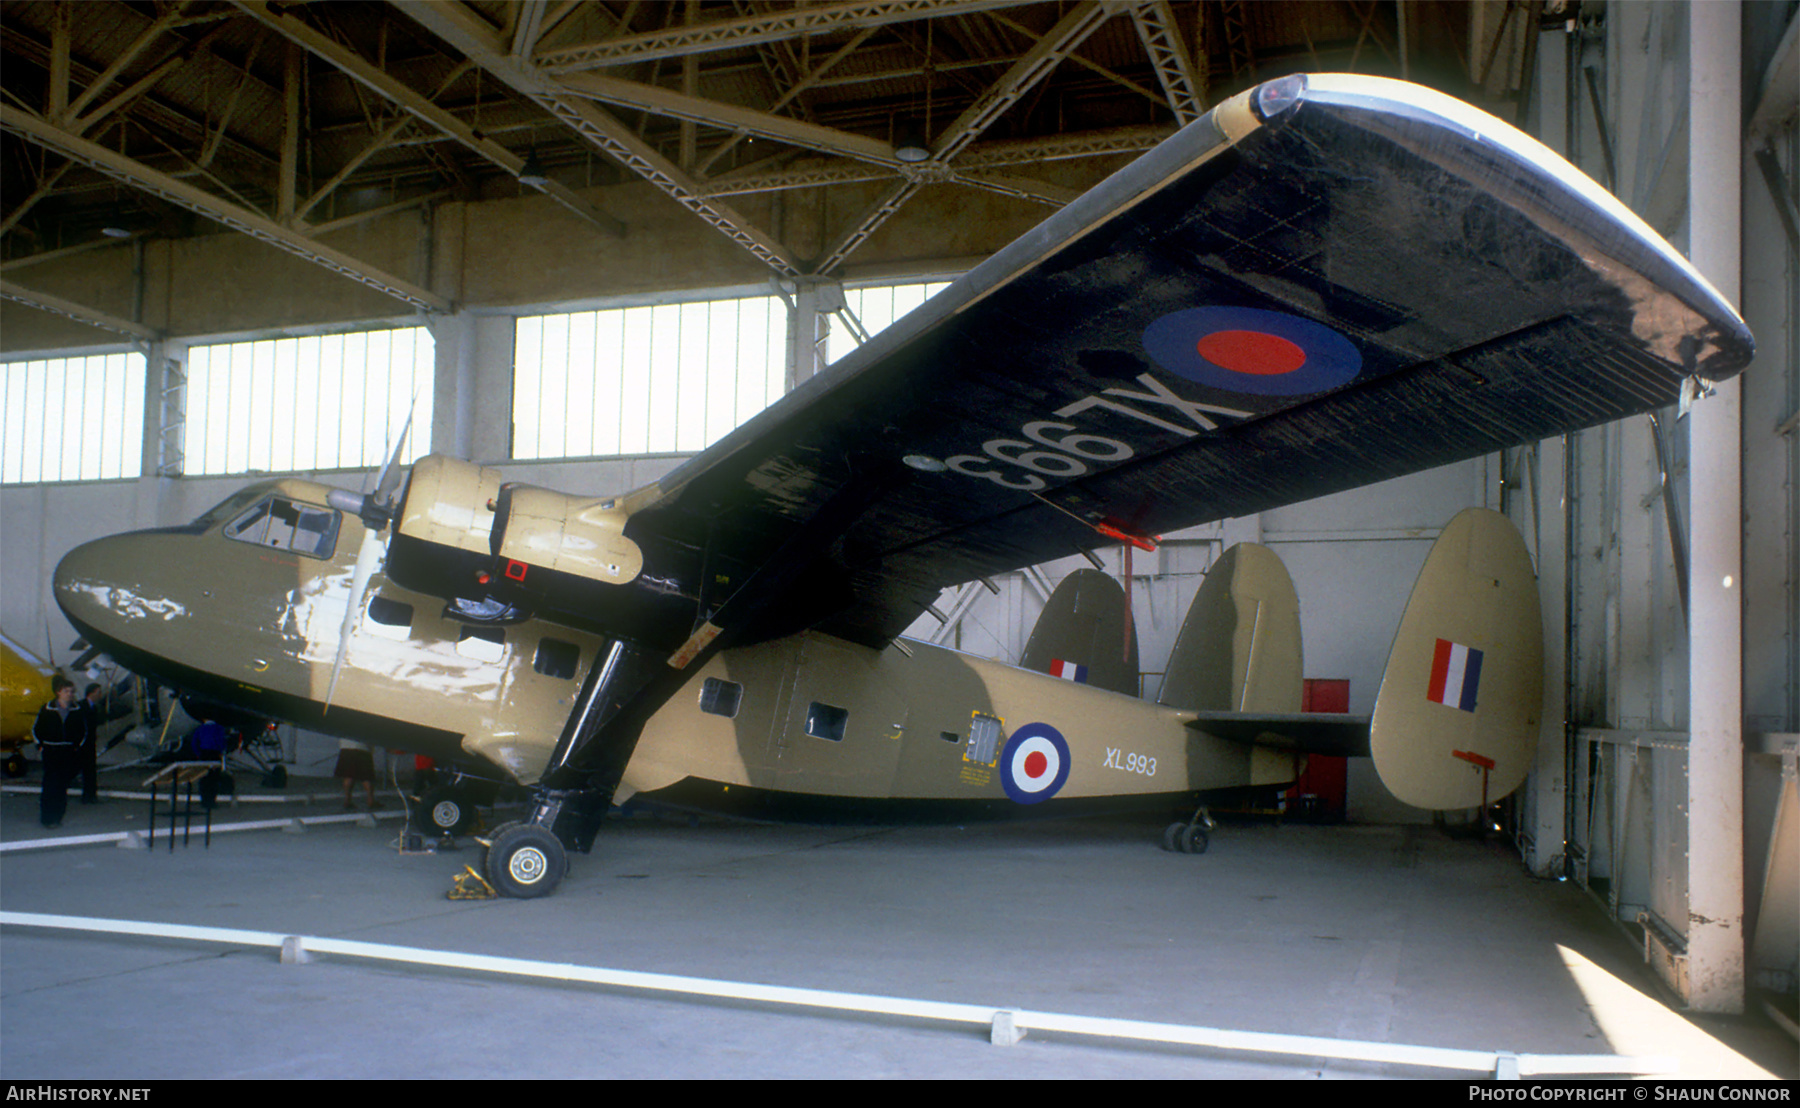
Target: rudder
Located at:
point(1239, 647)
point(1456, 719)
point(1080, 635)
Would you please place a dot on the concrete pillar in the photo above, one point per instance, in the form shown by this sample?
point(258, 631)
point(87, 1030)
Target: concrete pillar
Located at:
point(472, 409)
point(165, 432)
point(453, 407)
point(806, 334)
point(1549, 776)
point(1715, 938)
point(156, 356)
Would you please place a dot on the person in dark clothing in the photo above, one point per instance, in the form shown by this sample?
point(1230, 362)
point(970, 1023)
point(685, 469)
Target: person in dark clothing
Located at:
point(60, 730)
point(208, 743)
point(90, 750)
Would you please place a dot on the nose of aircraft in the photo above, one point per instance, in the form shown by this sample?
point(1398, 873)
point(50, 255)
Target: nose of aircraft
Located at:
point(102, 588)
point(79, 588)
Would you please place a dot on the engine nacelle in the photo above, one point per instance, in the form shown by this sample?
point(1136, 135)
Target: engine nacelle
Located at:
point(580, 536)
point(451, 502)
point(464, 532)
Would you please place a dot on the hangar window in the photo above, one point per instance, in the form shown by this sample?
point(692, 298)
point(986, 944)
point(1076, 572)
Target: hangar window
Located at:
point(283, 524)
point(721, 698)
point(483, 644)
point(72, 419)
point(315, 402)
point(556, 658)
point(824, 721)
point(658, 379)
point(876, 307)
point(664, 378)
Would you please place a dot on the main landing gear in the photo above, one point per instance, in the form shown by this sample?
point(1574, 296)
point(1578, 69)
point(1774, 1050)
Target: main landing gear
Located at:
point(530, 858)
point(524, 860)
point(1189, 837)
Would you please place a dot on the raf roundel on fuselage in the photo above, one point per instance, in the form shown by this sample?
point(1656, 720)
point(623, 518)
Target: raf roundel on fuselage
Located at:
point(1035, 766)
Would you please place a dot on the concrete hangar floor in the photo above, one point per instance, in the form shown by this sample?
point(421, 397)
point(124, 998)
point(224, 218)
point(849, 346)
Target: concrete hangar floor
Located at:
point(1384, 934)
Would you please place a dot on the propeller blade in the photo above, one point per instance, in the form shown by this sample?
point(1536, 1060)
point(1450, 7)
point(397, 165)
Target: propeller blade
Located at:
point(391, 468)
point(366, 558)
point(376, 511)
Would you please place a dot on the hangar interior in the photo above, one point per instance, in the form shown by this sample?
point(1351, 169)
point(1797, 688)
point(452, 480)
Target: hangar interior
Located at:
point(189, 177)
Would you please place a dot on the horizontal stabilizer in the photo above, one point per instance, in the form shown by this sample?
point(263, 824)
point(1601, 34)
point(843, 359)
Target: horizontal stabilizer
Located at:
point(1339, 735)
point(1456, 720)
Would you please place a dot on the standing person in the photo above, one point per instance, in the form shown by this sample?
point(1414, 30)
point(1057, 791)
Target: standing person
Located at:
point(90, 750)
point(355, 763)
point(60, 730)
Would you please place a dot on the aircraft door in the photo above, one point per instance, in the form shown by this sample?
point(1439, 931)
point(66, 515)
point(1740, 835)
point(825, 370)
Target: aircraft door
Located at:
point(845, 723)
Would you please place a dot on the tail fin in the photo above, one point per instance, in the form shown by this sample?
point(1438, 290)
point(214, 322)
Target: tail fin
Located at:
point(1081, 635)
point(1456, 720)
point(1239, 648)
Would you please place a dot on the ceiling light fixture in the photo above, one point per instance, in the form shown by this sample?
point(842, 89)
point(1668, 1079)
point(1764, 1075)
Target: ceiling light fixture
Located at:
point(909, 144)
point(532, 172)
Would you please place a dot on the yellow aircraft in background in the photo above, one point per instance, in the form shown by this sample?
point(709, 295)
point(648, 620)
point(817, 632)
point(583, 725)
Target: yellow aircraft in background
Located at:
point(24, 689)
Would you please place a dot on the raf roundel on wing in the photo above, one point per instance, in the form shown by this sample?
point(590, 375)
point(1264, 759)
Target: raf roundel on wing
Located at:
point(1250, 350)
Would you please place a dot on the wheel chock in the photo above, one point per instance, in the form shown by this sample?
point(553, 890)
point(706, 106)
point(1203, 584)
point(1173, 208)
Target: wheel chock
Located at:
point(469, 885)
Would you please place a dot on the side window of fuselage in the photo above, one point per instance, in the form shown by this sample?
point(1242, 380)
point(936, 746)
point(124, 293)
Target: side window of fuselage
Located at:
point(390, 619)
point(827, 721)
point(721, 698)
point(482, 644)
point(555, 658)
point(278, 523)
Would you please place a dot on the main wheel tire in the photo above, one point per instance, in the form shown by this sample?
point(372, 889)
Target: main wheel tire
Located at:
point(444, 811)
point(525, 861)
point(1194, 840)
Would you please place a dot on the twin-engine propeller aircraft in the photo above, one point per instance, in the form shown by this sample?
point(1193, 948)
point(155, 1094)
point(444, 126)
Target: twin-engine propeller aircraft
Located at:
point(1325, 282)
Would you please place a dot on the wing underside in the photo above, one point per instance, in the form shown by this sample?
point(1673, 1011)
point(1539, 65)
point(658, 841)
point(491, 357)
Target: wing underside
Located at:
point(1315, 287)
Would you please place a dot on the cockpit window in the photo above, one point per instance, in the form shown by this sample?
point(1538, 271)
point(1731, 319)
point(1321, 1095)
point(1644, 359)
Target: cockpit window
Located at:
point(226, 508)
point(282, 524)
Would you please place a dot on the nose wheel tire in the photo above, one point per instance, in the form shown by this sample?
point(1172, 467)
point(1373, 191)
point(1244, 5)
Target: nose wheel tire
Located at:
point(525, 861)
point(444, 811)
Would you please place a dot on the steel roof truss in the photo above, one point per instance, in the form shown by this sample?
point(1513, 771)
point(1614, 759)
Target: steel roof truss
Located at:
point(180, 193)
